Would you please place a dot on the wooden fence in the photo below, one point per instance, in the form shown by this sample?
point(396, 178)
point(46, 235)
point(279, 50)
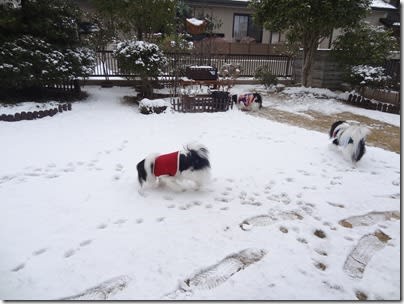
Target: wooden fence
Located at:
point(66, 86)
point(280, 65)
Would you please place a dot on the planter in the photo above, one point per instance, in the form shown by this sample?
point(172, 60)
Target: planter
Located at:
point(195, 26)
point(201, 73)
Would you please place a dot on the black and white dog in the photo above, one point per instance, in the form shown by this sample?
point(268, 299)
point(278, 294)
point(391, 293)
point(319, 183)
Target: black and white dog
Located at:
point(248, 101)
point(188, 168)
point(350, 138)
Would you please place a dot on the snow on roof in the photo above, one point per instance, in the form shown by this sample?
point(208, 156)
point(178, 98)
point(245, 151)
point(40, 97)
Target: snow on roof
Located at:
point(375, 4)
point(381, 4)
point(195, 21)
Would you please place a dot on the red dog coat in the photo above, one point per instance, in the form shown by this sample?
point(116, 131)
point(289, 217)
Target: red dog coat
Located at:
point(167, 164)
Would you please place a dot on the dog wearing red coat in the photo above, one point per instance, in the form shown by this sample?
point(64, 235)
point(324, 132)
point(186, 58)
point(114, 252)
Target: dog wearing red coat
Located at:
point(179, 170)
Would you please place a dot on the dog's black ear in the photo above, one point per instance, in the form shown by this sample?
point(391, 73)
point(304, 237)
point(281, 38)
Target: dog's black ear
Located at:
point(334, 125)
point(234, 98)
point(141, 172)
point(258, 99)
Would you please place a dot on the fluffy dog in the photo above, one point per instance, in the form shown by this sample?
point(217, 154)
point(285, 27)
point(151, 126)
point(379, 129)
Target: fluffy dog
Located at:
point(248, 101)
point(350, 138)
point(188, 168)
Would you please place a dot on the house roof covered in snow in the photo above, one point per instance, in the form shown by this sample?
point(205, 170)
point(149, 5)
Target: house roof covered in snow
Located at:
point(376, 4)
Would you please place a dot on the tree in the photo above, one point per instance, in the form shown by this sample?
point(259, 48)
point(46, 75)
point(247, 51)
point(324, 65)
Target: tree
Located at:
point(40, 45)
point(364, 44)
point(52, 20)
point(308, 21)
point(362, 51)
point(144, 17)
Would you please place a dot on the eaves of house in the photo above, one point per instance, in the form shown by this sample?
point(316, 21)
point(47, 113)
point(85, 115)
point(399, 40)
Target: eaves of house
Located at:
point(216, 3)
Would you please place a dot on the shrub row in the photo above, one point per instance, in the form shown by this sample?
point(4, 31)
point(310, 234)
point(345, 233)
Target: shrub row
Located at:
point(362, 102)
point(35, 114)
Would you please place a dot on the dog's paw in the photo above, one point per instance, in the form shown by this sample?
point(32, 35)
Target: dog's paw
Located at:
point(142, 192)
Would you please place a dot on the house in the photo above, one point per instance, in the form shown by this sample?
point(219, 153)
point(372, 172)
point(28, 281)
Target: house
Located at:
point(235, 24)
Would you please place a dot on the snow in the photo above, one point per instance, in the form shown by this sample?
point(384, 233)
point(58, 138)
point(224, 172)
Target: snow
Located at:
point(145, 102)
point(374, 4)
point(381, 4)
point(195, 21)
point(301, 100)
point(75, 226)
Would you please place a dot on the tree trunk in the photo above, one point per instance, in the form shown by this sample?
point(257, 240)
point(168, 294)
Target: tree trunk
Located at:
point(309, 49)
point(139, 35)
point(147, 87)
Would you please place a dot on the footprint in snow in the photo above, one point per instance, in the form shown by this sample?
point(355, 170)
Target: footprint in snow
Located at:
point(212, 276)
point(69, 253)
point(18, 267)
point(85, 243)
point(266, 220)
point(370, 218)
point(39, 251)
point(357, 260)
point(103, 290)
point(102, 226)
point(120, 221)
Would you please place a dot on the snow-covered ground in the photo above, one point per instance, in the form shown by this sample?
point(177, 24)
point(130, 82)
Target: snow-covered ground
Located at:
point(284, 218)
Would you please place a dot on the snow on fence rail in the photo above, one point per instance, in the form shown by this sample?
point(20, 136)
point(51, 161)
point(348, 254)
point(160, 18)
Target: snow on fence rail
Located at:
point(279, 65)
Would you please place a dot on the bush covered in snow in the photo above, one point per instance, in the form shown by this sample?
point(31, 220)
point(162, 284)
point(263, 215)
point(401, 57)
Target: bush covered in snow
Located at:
point(366, 75)
point(362, 50)
point(265, 76)
point(142, 58)
point(147, 106)
point(230, 70)
point(31, 62)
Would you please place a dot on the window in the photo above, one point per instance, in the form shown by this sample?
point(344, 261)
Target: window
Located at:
point(243, 26)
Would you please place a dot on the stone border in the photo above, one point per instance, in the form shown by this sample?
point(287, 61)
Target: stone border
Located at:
point(359, 101)
point(36, 114)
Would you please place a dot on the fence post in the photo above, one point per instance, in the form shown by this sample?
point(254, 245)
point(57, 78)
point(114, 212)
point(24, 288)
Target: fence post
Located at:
point(287, 67)
point(76, 84)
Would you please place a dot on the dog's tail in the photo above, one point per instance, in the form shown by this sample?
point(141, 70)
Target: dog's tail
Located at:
point(197, 148)
point(357, 137)
point(359, 151)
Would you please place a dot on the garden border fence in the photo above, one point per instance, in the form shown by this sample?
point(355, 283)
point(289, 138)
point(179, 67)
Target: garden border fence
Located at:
point(280, 65)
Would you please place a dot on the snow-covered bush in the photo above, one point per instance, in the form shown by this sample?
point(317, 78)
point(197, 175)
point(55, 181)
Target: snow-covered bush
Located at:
point(265, 77)
point(230, 70)
point(81, 61)
point(142, 58)
point(177, 43)
point(366, 75)
point(31, 62)
point(147, 106)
